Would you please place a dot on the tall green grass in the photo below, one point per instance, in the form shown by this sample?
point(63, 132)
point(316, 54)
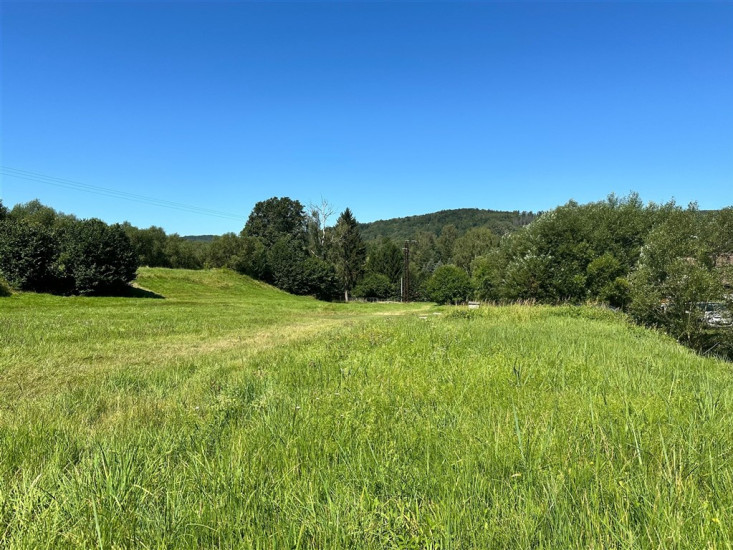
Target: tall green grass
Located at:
point(232, 415)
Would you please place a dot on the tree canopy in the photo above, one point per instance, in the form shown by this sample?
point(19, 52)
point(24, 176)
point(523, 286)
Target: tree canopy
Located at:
point(43, 250)
point(274, 218)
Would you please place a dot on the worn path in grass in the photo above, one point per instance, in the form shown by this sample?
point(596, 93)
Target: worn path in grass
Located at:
point(230, 415)
point(49, 343)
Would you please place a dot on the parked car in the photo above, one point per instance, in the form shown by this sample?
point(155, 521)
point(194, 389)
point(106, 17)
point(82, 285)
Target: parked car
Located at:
point(716, 314)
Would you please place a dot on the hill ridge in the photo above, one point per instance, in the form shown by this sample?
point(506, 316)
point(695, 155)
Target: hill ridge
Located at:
point(463, 219)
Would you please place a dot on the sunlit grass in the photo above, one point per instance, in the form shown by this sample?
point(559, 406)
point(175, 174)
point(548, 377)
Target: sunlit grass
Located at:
point(230, 414)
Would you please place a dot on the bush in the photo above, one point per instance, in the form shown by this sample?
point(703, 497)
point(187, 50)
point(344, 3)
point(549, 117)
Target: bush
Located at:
point(601, 273)
point(28, 254)
point(251, 259)
point(449, 284)
point(528, 278)
point(4, 288)
point(96, 258)
point(246, 255)
point(374, 285)
point(320, 278)
point(44, 251)
point(487, 275)
point(284, 259)
point(616, 293)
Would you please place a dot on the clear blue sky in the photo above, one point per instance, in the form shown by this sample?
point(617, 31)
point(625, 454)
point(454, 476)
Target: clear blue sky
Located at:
point(389, 108)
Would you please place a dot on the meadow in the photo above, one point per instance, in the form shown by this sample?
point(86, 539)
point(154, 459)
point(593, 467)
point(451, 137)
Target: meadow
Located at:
point(213, 411)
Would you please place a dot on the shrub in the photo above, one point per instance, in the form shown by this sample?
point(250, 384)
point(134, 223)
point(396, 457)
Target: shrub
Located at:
point(601, 273)
point(374, 285)
point(28, 253)
point(320, 278)
point(284, 259)
point(4, 288)
point(243, 254)
point(528, 278)
point(487, 275)
point(449, 284)
point(252, 258)
point(96, 258)
point(616, 293)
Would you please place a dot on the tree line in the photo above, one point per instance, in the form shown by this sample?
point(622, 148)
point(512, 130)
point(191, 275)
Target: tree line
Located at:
point(46, 251)
point(462, 219)
point(666, 266)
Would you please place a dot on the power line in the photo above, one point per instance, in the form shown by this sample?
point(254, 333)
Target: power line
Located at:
point(113, 193)
point(78, 186)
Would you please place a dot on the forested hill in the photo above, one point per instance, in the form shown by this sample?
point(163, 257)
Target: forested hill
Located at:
point(463, 219)
point(200, 238)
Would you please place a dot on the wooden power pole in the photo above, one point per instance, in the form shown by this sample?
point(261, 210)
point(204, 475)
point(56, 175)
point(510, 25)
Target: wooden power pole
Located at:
point(406, 273)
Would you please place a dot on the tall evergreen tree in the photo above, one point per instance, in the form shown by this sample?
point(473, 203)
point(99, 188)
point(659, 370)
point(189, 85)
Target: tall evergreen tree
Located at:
point(349, 251)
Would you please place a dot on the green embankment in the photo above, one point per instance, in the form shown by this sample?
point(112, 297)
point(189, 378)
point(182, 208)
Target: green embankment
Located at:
point(230, 414)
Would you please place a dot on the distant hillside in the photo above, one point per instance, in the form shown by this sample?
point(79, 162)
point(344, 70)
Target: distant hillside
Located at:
point(200, 238)
point(404, 228)
point(463, 219)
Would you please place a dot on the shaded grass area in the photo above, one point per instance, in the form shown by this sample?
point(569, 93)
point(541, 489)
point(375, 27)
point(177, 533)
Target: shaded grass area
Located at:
point(332, 426)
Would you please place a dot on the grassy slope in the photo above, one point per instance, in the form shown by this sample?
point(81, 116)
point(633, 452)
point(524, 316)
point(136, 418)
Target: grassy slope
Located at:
point(231, 414)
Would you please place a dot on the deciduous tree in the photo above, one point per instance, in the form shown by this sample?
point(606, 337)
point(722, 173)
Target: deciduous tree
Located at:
point(449, 284)
point(274, 218)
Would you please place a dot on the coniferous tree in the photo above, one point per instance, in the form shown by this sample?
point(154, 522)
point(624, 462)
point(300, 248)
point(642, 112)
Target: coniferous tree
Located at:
point(349, 251)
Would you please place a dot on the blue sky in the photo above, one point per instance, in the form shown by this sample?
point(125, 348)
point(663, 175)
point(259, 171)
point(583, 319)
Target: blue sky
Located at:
point(390, 108)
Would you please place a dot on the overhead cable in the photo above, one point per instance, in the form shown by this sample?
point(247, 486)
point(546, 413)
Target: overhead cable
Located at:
point(114, 193)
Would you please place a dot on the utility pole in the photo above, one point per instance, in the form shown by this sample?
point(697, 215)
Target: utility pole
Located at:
point(406, 272)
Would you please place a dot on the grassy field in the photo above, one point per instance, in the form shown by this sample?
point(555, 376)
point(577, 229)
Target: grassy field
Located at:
point(230, 415)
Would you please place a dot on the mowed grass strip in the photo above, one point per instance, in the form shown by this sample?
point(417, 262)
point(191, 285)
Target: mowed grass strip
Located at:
point(47, 341)
point(524, 427)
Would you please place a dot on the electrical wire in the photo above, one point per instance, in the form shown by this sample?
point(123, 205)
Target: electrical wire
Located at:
point(113, 193)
